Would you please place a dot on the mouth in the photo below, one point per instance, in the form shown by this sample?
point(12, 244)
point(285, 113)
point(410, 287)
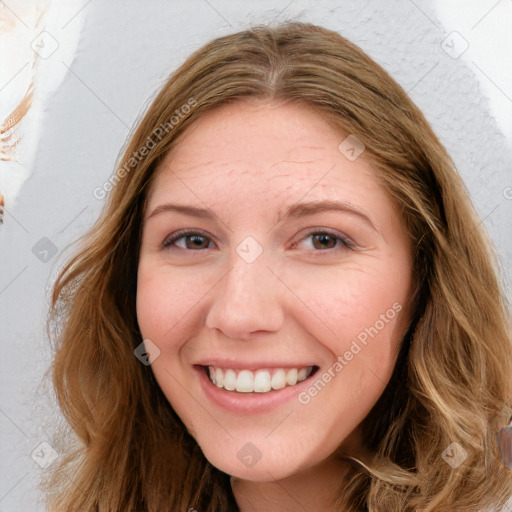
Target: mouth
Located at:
point(261, 381)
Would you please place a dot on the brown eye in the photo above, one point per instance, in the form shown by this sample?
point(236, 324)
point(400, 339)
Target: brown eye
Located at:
point(187, 240)
point(196, 242)
point(324, 241)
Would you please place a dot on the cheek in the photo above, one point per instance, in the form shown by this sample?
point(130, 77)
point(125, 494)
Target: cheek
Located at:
point(355, 300)
point(170, 304)
point(163, 300)
point(152, 300)
point(368, 314)
point(363, 313)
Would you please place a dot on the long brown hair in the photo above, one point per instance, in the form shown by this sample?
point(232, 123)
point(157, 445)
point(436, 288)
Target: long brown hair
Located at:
point(452, 381)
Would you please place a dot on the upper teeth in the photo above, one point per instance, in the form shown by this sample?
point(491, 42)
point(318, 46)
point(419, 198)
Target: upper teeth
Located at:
point(260, 381)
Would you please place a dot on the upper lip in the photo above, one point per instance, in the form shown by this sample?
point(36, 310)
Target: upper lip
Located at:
point(251, 365)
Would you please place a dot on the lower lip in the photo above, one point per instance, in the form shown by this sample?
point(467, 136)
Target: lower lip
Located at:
point(247, 403)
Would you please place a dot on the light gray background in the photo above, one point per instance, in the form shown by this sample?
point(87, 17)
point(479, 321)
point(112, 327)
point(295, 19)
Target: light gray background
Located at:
point(126, 50)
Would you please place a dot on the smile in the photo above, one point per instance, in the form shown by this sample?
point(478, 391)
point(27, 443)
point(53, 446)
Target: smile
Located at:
point(258, 381)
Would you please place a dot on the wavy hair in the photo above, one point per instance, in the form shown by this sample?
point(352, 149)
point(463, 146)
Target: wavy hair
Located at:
point(452, 380)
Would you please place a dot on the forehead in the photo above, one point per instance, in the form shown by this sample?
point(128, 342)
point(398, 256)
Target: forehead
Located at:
point(254, 150)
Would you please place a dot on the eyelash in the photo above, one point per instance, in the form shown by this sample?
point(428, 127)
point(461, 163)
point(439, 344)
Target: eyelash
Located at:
point(345, 242)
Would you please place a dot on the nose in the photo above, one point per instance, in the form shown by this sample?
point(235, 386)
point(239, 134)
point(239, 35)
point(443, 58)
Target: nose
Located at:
point(247, 300)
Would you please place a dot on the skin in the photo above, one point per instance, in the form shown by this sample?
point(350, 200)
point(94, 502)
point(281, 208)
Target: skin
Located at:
point(301, 299)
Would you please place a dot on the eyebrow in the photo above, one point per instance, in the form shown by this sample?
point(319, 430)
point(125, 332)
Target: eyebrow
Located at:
point(293, 211)
point(298, 210)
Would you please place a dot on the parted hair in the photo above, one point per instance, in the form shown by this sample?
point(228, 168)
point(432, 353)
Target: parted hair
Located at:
point(126, 448)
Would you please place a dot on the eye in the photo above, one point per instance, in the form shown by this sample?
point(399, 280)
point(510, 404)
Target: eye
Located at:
point(323, 240)
point(187, 240)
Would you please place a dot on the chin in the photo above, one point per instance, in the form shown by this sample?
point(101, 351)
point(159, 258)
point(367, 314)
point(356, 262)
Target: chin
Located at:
point(258, 461)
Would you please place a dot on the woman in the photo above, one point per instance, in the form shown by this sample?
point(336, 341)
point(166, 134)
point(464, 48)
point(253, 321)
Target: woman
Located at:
point(288, 302)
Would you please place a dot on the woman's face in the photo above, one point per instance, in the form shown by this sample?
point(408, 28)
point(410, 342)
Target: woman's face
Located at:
point(274, 261)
